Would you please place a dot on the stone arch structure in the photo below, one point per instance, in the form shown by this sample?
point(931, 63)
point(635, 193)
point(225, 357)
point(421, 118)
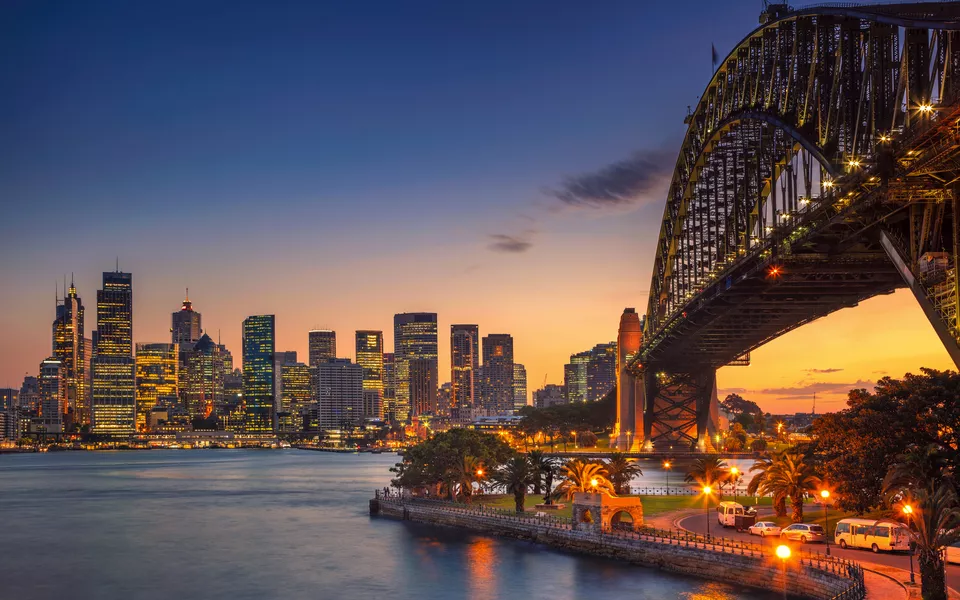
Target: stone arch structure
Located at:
point(599, 512)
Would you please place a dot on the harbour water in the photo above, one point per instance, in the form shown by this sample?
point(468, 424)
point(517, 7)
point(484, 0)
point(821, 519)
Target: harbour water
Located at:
point(248, 524)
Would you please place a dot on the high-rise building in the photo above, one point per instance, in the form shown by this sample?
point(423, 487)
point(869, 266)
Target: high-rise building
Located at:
point(114, 404)
point(414, 337)
point(464, 361)
point(519, 386)
point(185, 328)
point(444, 398)
point(158, 376)
point(202, 372)
point(575, 377)
point(601, 371)
point(9, 398)
point(322, 346)
point(297, 396)
point(549, 395)
point(339, 394)
point(53, 395)
point(30, 395)
point(389, 387)
point(280, 358)
point(370, 357)
point(423, 386)
point(498, 374)
point(69, 349)
point(259, 344)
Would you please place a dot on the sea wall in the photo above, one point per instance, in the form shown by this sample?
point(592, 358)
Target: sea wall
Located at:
point(806, 577)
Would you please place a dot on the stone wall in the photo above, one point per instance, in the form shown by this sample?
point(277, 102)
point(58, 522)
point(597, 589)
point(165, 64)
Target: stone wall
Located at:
point(713, 562)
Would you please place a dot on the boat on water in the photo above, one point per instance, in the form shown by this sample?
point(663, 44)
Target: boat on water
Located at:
point(175, 446)
point(285, 445)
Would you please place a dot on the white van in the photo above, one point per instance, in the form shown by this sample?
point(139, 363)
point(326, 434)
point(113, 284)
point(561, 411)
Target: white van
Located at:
point(727, 513)
point(874, 534)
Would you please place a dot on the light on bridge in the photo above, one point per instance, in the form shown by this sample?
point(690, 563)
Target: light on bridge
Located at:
point(853, 163)
point(925, 108)
point(885, 138)
point(774, 271)
point(828, 184)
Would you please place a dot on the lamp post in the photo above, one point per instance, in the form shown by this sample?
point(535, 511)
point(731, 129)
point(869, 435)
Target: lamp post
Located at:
point(735, 473)
point(825, 495)
point(783, 553)
point(908, 510)
point(706, 506)
point(666, 467)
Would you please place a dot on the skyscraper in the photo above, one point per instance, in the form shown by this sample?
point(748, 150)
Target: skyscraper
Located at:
point(53, 395)
point(202, 371)
point(185, 325)
point(464, 360)
point(498, 374)
point(601, 371)
point(158, 372)
point(297, 396)
point(575, 377)
point(519, 386)
point(259, 345)
point(280, 358)
point(114, 378)
point(414, 337)
point(70, 350)
point(370, 357)
point(423, 386)
point(389, 387)
point(339, 394)
point(322, 346)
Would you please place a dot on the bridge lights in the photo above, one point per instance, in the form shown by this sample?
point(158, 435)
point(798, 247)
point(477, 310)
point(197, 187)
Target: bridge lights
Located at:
point(827, 184)
point(885, 138)
point(775, 271)
point(925, 109)
point(853, 163)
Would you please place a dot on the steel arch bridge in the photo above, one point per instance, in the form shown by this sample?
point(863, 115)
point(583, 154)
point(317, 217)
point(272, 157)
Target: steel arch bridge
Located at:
point(820, 168)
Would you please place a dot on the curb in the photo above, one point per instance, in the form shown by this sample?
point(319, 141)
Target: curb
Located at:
point(908, 592)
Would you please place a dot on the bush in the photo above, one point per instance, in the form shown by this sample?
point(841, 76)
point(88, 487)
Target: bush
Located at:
point(758, 445)
point(587, 439)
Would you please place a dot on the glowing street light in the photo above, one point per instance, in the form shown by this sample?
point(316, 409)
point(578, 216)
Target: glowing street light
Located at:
point(666, 467)
point(594, 483)
point(825, 495)
point(479, 472)
point(908, 510)
point(783, 553)
point(735, 475)
point(706, 506)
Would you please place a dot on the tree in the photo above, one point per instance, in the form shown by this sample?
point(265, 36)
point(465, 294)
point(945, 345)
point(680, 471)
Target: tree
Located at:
point(790, 476)
point(708, 471)
point(587, 439)
point(515, 476)
point(758, 445)
point(736, 405)
point(580, 476)
point(469, 471)
point(544, 470)
point(621, 470)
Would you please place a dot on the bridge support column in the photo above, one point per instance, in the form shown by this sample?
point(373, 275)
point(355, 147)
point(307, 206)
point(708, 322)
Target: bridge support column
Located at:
point(681, 410)
point(629, 428)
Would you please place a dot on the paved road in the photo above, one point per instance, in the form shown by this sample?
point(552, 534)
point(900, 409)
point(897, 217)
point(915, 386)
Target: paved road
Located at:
point(698, 524)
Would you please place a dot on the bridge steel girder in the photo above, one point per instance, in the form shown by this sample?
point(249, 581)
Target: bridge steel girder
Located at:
point(681, 409)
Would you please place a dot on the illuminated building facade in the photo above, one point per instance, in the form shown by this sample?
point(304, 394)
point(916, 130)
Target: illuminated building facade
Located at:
point(53, 395)
point(259, 345)
point(339, 394)
point(519, 386)
point(414, 337)
point(464, 362)
point(114, 404)
point(30, 395)
point(601, 371)
point(370, 357)
point(185, 325)
point(549, 395)
point(70, 350)
point(423, 386)
point(322, 346)
point(498, 374)
point(297, 396)
point(202, 372)
point(575, 377)
point(158, 373)
point(389, 387)
point(280, 358)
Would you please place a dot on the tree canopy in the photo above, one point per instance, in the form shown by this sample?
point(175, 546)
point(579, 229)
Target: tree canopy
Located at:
point(439, 460)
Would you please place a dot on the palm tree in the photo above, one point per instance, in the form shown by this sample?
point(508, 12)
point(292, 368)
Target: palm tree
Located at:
point(544, 470)
point(791, 477)
point(708, 471)
point(469, 471)
point(515, 477)
point(580, 476)
point(621, 470)
point(757, 485)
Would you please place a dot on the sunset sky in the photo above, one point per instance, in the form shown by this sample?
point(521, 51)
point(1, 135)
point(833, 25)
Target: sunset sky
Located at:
point(498, 163)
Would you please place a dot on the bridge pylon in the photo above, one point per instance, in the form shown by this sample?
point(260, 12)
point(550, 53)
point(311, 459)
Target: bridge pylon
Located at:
point(681, 409)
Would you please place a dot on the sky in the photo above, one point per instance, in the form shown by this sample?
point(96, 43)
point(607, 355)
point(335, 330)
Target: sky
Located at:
point(335, 163)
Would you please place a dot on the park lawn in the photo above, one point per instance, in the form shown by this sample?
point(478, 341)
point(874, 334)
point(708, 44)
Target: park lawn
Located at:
point(652, 505)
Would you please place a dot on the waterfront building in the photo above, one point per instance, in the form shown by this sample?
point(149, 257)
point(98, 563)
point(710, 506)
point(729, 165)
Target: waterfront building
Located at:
point(369, 347)
point(464, 363)
point(69, 349)
point(114, 400)
point(158, 375)
point(203, 371)
point(519, 386)
point(549, 395)
point(280, 358)
point(29, 397)
point(575, 377)
point(339, 394)
point(53, 395)
point(389, 387)
point(415, 338)
point(601, 371)
point(297, 396)
point(498, 374)
point(322, 346)
point(9, 398)
point(423, 386)
point(259, 345)
point(185, 328)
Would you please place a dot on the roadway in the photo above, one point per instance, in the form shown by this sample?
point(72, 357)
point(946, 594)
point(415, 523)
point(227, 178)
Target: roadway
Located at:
point(698, 524)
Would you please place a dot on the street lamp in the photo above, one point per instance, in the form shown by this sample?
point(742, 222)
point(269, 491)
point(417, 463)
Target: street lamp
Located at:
point(908, 510)
point(666, 467)
point(706, 506)
point(825, 494)
point(735, 473)
point(593, 484)
point(783, 553)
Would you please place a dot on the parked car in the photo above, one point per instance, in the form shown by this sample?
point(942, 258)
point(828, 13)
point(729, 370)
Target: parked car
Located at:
point(764, 528)
point(803, 533)
point(952, 553)
point(873, 534)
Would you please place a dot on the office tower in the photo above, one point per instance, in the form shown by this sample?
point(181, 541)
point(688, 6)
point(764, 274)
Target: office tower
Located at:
point(389, 388)
point(69, 349)
point(114, 377)
point(322, 346)
point(444, 398)
point(185, 328)
point(53, 395)
point(414, 337)
point(601, 371)
point(423, 386)
point(549, 395)
point(85, 415)
point(280, 358)
point(259, 344)
point(9, 414)
point(297, 396)
point(227, 359)
point(575, 377)
point(158, 374)
point(519, 386)
point(30, 395)
point(9, 398)
point(370, 357)
point(498, 374)
point(339, 394)
point(202, 374)
point(464, 360)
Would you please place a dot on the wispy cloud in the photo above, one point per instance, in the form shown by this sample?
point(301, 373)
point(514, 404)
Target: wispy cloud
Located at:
point(822, 370)
point(514, 244)
point(819, 387)
point(640, 178)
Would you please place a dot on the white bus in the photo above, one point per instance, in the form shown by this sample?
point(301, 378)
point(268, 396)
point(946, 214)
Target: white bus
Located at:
point(874, 534)
point(727, 513)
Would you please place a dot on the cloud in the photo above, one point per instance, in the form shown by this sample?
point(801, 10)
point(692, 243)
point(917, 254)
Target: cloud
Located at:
point(726, 391)
point(820, 387)
point(822, 370)
point(636, 179)
point(509, 243)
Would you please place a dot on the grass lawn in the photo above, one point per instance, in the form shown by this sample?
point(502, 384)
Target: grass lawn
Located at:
point(652, 505)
